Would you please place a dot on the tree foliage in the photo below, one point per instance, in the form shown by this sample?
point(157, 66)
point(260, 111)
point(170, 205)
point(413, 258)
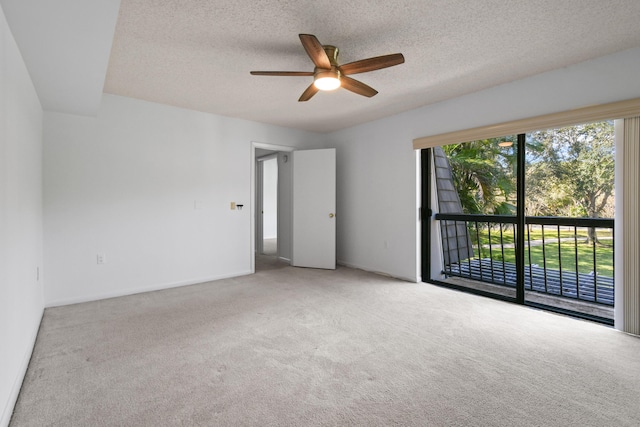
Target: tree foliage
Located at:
point(573, 174)
point(569, 172)
point(483, 173)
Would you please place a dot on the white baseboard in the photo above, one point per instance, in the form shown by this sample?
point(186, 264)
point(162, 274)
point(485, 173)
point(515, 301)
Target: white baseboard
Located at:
point(381, 273)
point(142, 289)
point(19, 379)
point(284, 259)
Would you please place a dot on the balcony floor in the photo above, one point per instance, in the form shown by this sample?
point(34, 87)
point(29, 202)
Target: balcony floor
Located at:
point(582, 292)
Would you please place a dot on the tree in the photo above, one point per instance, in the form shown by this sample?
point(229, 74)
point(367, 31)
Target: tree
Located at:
point(569, 172)
point(483, 173)
point(574, 171)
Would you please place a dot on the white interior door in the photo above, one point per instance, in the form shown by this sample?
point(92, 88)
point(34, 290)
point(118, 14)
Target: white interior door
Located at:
point(314, 208)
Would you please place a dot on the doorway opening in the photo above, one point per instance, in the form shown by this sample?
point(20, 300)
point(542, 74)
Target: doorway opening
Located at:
point(267, 204)
point(271, 218)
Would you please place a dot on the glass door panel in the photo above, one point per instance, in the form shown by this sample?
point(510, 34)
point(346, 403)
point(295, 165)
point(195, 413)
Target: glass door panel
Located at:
point(472, 226)
point(569, 219)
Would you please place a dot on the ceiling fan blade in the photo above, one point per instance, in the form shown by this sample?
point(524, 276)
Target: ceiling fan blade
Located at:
point(282, 73)
point(357, 87)
point(372, 64)
point(308, 93)
point(315, 51)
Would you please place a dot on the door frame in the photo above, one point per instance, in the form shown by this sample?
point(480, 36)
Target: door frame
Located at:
point(252, 195)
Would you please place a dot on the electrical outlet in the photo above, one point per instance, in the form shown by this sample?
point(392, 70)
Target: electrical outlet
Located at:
point(101, 259)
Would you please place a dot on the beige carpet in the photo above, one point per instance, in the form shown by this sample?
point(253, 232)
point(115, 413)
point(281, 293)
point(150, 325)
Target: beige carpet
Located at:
point(303, 347)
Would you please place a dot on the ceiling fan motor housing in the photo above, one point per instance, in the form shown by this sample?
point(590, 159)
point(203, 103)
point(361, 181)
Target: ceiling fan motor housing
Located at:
point(328, 79)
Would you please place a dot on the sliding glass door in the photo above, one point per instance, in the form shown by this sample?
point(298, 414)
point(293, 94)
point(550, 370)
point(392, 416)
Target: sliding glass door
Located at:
point(526, 218)
point(470, 220)
point(569, 219)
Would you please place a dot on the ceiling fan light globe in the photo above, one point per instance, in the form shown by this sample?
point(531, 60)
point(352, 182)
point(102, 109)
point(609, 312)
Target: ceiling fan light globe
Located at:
point(327, 83)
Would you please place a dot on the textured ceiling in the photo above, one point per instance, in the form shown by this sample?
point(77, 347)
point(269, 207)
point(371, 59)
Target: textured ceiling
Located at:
point(197, 54)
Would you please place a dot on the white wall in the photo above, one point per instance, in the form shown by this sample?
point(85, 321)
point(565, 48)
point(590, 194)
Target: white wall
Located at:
point(376, 207)
point(21, 293)
point(270, 201)
point(377, 175)
point(149, 186)
point(285, 205)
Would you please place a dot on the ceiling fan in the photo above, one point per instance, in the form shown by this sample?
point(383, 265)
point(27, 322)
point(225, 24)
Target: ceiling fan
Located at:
point(329, 75)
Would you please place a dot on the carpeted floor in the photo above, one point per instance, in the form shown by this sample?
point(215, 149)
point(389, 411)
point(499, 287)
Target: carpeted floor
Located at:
point(304, 347)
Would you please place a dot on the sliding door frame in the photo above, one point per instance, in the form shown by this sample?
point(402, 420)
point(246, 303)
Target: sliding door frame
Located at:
point(427, 215)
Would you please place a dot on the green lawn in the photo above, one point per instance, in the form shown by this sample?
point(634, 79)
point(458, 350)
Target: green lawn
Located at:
point(535, 233)
point(549, 252)
point(604, 257)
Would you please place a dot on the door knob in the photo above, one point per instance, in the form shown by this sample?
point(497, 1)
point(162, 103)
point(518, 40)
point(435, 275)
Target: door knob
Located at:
point(331, 215)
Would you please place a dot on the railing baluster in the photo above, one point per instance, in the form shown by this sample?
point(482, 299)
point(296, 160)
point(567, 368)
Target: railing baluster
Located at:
point(455, 227)
point(469, 263)
point(479, 248)
point(560, 261)
point(504, 270)
point(514, 229)
point(613, 257)
point(447, 267)
point(575, 239)
point(544, 261)
point(490, 251)
point(529, 246)
point(595, 272)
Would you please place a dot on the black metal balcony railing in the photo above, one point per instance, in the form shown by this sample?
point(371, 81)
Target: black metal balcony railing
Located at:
point(560, 258)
